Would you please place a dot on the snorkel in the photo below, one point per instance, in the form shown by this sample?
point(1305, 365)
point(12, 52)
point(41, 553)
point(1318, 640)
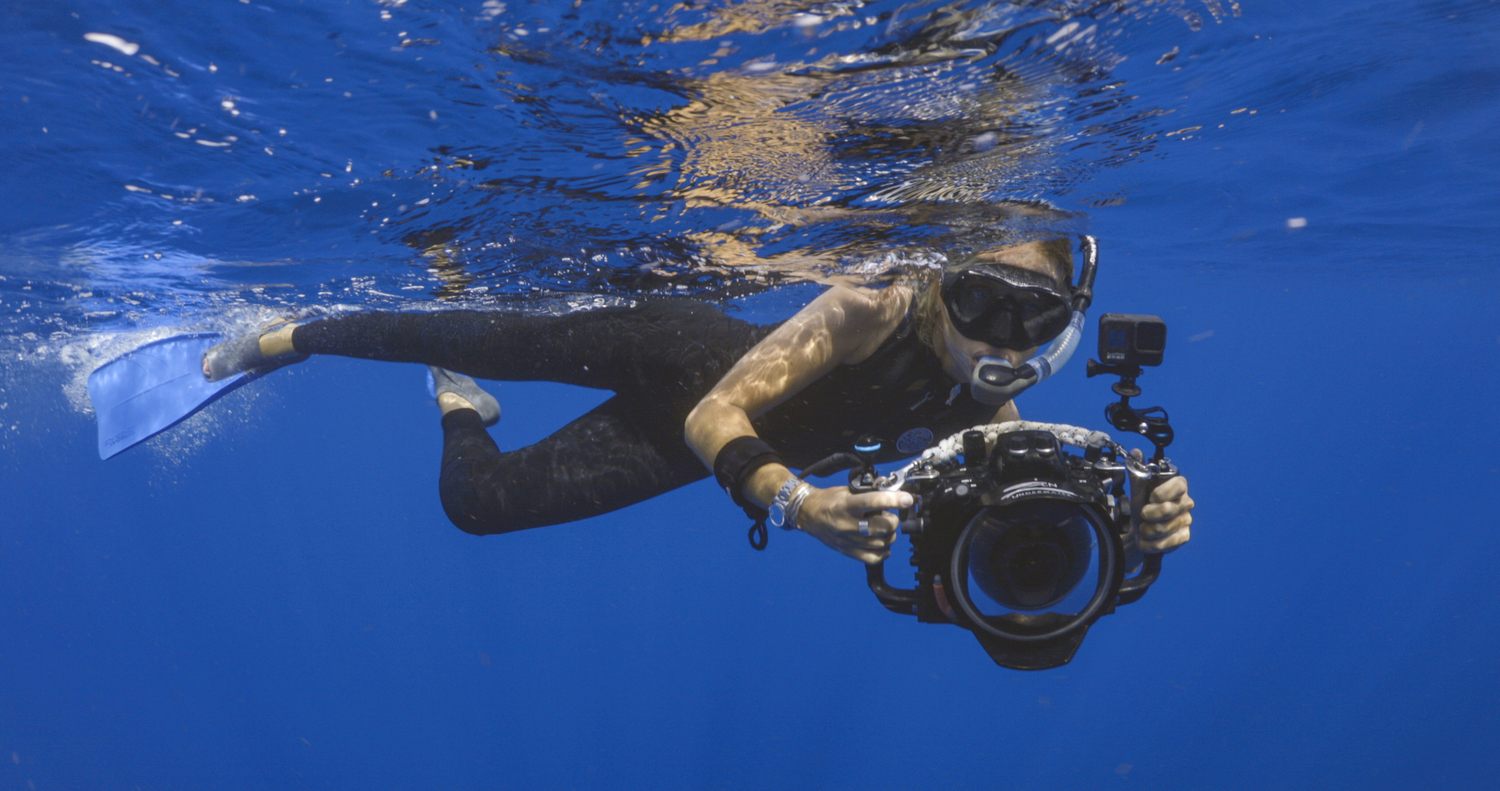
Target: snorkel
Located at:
point(994, 381)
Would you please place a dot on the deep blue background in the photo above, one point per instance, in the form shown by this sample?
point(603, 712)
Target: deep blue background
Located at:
point(271, 595)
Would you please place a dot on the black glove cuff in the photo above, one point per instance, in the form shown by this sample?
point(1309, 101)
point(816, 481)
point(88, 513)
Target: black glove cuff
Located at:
point(737, 461)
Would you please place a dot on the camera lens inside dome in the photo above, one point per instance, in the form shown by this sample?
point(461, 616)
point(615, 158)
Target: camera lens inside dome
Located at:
point(1030, 556)
point(1031, 563)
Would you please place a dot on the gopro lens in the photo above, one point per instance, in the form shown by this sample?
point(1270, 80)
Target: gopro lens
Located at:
point(1151, 338)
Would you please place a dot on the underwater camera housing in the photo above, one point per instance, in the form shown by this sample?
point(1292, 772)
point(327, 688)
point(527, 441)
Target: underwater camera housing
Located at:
point(1027, 533)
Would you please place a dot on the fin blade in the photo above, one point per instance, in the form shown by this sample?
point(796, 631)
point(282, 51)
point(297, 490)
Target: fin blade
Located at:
point(153, 388)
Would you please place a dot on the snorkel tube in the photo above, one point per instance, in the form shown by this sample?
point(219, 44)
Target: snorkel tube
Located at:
point(994, 381)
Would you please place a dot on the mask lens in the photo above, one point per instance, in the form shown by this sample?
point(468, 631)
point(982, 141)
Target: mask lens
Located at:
point(973, 301)
point(1047, 321)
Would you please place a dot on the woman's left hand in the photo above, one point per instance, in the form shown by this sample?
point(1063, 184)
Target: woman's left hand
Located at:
point(1166, 518)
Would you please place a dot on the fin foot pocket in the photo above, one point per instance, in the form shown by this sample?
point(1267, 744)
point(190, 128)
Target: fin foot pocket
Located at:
point(243, 355)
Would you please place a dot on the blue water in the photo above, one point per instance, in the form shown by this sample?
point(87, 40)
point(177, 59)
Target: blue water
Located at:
point(270, 596)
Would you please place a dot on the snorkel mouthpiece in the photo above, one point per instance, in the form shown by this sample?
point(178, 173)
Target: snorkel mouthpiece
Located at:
point(994, 381)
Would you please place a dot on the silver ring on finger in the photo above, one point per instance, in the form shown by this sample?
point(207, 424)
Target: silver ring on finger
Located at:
point(864, 527)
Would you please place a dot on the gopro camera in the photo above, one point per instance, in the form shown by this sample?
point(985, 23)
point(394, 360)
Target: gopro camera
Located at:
point(1130, 339)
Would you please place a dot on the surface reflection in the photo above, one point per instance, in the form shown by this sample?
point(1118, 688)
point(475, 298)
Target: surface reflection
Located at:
point(455, 152)
point(802, 141)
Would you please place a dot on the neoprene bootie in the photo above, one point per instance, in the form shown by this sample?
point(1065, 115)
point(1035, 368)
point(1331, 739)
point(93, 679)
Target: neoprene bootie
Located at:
point(244, 354)
point(442, 380)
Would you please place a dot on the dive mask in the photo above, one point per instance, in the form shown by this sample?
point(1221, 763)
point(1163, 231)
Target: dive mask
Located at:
point(1018, 309)
point(1006, 306)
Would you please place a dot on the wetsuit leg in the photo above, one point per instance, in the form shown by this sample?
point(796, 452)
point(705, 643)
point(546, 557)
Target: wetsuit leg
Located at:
point(659, 357)
point(669, 347)
point(612, 457)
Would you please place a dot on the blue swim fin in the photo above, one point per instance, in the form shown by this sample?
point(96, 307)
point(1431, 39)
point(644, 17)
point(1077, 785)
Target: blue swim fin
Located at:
point(153, 388)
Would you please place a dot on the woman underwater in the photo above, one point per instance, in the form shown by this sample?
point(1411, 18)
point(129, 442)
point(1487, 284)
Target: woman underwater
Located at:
point(697, 391)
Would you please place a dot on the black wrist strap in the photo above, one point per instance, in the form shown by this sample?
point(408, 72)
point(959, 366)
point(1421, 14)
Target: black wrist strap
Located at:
point(736, 462)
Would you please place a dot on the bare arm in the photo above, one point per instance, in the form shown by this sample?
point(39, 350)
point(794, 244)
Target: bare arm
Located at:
point(842, 326)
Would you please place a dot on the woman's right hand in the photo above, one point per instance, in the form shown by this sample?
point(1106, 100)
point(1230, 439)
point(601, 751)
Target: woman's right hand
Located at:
point(833, 516)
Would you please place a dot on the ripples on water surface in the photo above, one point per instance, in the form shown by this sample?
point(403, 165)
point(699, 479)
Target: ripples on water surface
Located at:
point(169, 157)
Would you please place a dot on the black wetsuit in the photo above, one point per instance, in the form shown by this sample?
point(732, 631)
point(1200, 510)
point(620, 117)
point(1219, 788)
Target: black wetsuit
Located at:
point(659, 357)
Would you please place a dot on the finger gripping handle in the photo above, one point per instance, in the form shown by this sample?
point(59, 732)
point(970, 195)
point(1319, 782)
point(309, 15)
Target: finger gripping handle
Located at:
point(1140, 492)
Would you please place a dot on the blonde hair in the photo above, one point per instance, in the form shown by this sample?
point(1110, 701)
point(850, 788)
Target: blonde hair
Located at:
point(927, 302)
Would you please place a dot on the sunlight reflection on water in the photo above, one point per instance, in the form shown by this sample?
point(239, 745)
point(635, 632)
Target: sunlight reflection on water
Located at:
point(710, 150)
